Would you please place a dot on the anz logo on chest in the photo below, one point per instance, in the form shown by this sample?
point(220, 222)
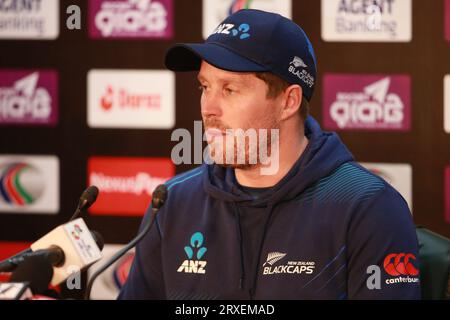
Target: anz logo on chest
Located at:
point(194, 265)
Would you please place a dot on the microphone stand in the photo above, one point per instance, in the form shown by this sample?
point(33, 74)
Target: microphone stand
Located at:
point(158, 199)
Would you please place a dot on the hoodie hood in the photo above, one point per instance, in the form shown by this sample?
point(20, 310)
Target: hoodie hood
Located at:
point(324, 153)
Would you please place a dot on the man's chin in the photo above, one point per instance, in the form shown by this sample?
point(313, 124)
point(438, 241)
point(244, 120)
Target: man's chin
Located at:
point(236, 162)
point(237, 166)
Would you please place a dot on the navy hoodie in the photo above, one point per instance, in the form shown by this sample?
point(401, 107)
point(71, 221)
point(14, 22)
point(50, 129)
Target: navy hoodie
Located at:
point(329, 229)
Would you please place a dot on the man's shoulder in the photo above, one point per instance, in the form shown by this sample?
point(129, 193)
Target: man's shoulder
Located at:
point(187, 180)
point(347, 183)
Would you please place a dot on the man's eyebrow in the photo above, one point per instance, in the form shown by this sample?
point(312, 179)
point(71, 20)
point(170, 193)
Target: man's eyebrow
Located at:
point(226, 79)
point(240, 81)
point(200, 78)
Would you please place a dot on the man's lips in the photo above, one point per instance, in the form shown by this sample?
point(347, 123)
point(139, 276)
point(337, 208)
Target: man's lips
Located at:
point(214, 133)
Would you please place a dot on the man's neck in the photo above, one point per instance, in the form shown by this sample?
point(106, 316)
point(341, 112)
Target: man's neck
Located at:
point(290, 151)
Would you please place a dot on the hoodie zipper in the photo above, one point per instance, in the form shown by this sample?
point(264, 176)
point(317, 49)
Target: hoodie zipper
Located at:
point(252, 289)
point(241, 250)
point(261, 244)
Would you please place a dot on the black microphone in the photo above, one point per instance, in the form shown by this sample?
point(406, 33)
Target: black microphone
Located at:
point(159, 196)
point(54, 255)
point(87, 198)
point(7, 265)
point(37, 271)
point(98, 239)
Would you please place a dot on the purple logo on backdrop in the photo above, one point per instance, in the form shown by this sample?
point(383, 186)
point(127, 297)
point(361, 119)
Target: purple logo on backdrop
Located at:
point(367, 102)
point(28, 97)
point(447, 20)
point(447, 194)
point(130, 19)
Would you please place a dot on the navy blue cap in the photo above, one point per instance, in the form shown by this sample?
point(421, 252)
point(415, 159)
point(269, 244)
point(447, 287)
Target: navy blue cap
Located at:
point(252, 41)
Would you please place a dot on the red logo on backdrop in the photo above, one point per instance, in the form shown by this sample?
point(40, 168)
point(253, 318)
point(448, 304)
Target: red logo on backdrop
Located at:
point(107, 99)
point(397, 264)
point(126, 184)
point(124, 99)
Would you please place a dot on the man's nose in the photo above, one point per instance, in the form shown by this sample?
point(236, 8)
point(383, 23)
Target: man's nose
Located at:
point(211, 104)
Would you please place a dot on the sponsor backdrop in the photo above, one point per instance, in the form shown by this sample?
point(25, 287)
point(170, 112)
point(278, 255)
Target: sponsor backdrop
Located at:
point(96, 105)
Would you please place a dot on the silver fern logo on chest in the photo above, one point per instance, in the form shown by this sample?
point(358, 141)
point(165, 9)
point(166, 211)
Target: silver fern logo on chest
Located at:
point(290, 267)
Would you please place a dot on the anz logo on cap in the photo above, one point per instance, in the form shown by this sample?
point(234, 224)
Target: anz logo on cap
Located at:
point(228, 28)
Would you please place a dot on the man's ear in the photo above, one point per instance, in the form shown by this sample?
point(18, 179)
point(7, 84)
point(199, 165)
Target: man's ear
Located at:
point(291, 102)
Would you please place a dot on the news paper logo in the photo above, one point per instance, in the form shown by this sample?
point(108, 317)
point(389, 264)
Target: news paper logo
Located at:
point(399, 268)
point(29, 184)
point(366, 102)
point(133, 99)
point(290, 267)
point(194, 252)
point(399, 175)
point(215, 11)
point(32, 19)
point(28, 97)
point(130, 19)
point(126, 184)
point(366, 21)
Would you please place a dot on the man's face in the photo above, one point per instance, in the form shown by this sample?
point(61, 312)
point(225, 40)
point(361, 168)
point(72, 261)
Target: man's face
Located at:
point(236, 100)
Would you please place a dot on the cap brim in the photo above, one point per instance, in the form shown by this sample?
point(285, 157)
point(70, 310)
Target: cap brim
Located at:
point(188, 57)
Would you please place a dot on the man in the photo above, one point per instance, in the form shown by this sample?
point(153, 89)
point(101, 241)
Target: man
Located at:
point(318, 227)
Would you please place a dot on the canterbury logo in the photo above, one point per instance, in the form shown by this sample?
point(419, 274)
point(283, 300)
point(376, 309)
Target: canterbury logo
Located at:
point(397, 264)
point(273, 257)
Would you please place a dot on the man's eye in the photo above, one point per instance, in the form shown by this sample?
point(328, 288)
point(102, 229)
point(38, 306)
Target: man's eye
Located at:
point(228, 90)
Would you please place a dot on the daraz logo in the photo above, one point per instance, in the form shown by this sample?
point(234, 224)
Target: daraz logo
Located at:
point(196, 246)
